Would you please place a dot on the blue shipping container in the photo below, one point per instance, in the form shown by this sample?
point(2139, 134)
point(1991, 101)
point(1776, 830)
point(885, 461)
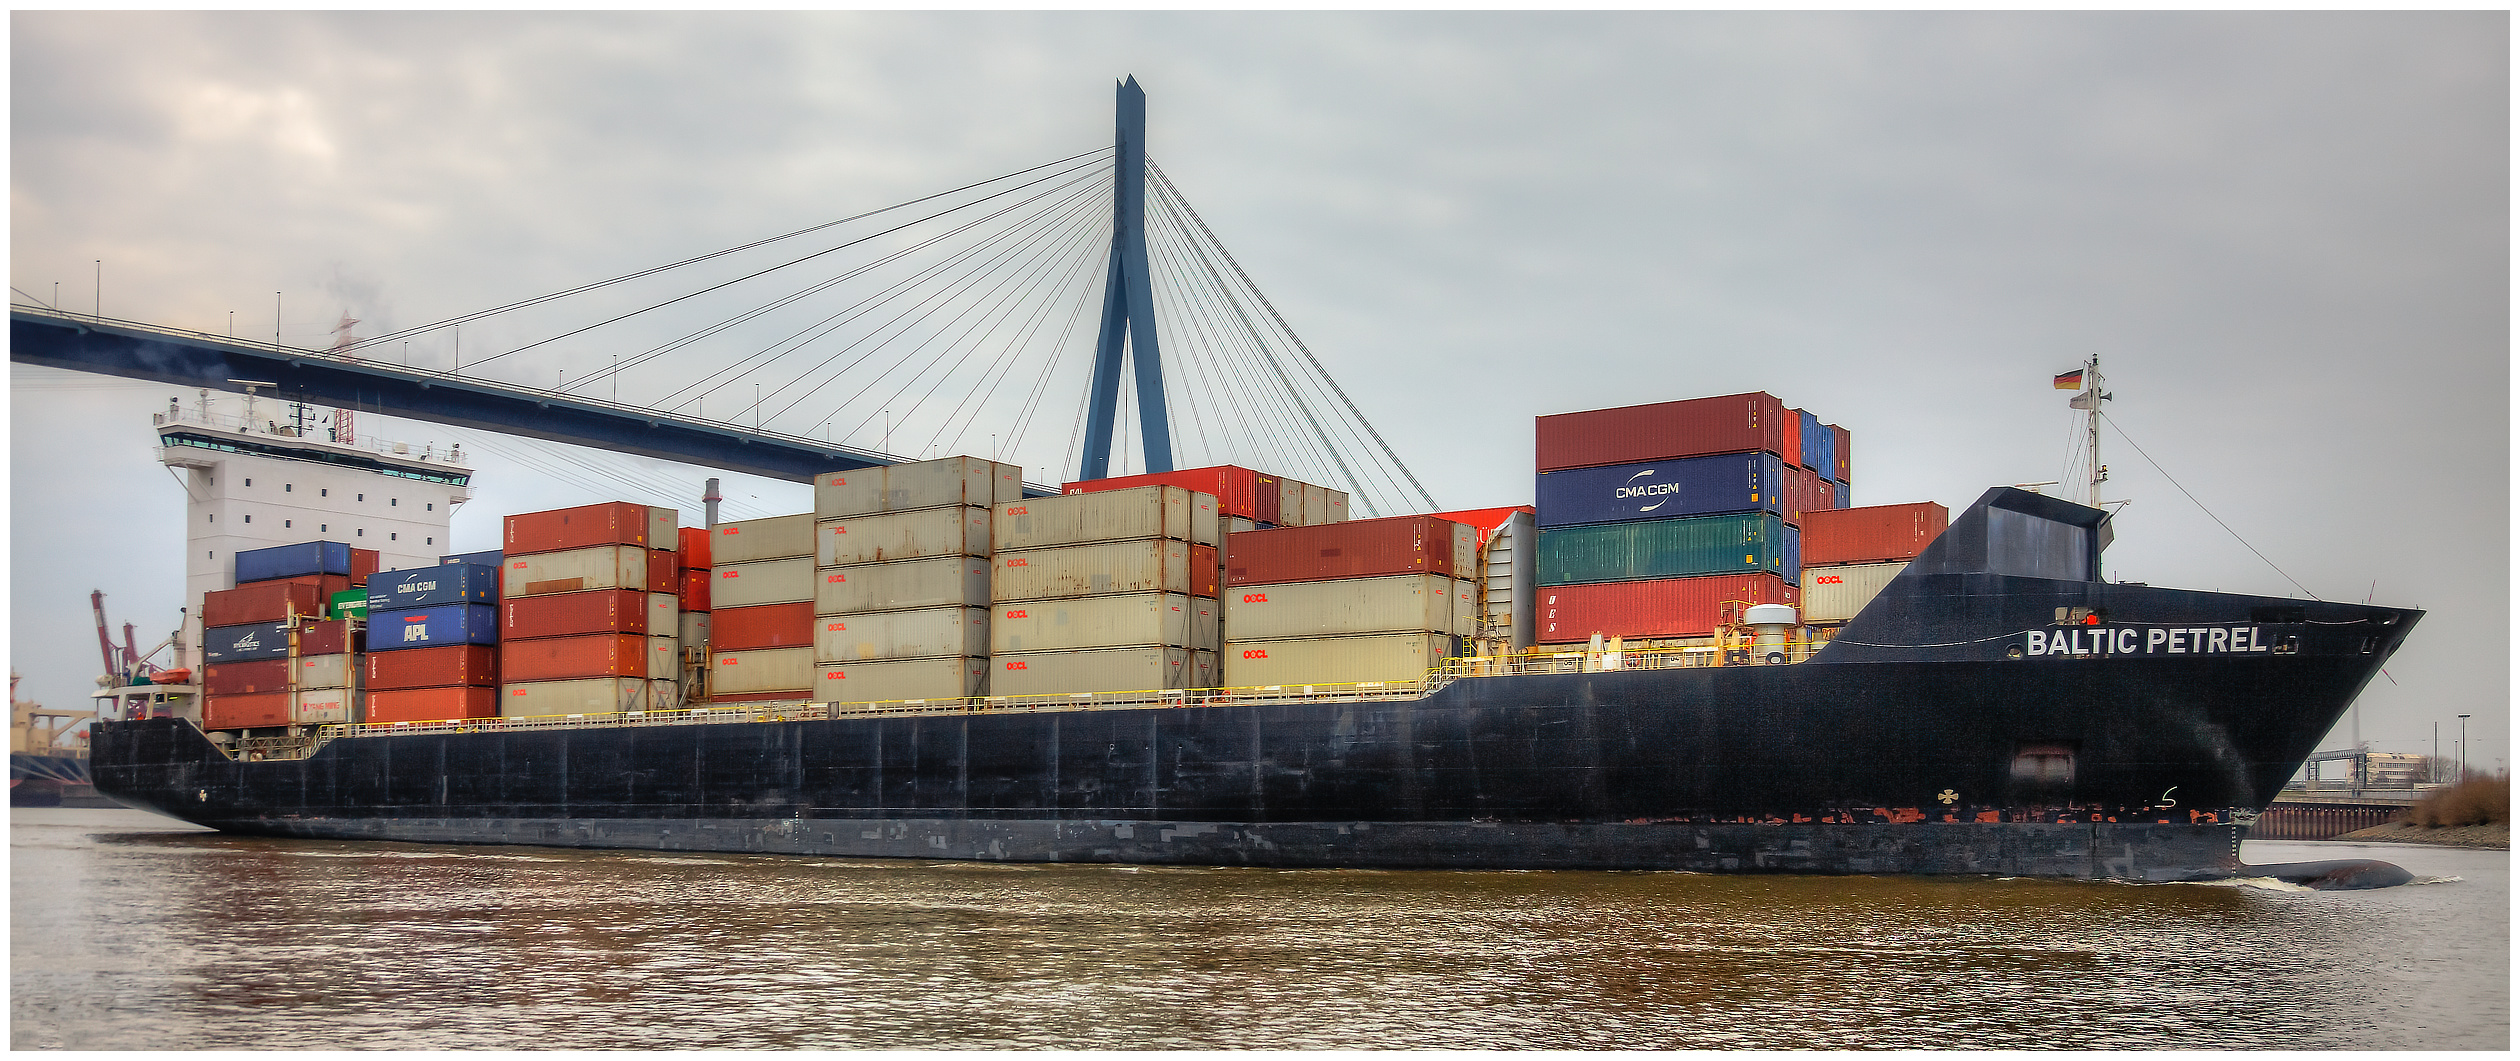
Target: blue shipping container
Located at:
point(486, 558)
point(1841, 495)
point(1793, 555)
point(291, 561)
point(1819, 444)
point(446, 624)
point(422, 587)
point(1692, 486)
point(244, 642)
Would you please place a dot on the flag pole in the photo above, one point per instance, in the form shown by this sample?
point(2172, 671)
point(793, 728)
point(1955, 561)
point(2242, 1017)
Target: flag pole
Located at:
point(2091, 419)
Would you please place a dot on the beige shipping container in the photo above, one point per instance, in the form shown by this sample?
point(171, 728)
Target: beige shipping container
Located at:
point(665, 694)
point(333, 706)
point(1099, 670)
point(1106, 516)
point(1338, 504)
point(1429, 604)
point(1834, 594)
point(1291, 503)
point(769, 670)
point(693, 629)
point(1317, 506)
point(774, 538)
point(1130, 620)
point(946, 581)
point(664, 657)
point(925, 484)
point(1150, 565)
point(762, 582)
point(915, 634)
point(573, 570)
point(962, 530)
point(1334, 660)
point(946, 678)
point(575, 696)
point(664, 614)
point(339, 670)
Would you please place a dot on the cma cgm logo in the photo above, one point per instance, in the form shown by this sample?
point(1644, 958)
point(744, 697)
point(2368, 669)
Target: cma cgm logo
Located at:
point(1255, 653)
point(1829, 580)
point(1255, 598)
point(1632, 490)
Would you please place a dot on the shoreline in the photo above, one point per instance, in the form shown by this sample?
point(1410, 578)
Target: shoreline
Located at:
point(2495, 836)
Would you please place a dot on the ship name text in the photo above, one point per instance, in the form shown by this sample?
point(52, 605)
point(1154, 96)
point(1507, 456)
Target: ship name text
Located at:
point(2148, 641)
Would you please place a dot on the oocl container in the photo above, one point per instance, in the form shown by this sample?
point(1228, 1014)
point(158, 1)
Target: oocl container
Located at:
point(1397, 545)
point(1104, 622)
point(1732, 423)
point(1238, 491)
point(775, 673)
point(1834, 594)
point(577, 696)
point(315, 707)
point(423, 587)
point(442, 704)
point(961, 530)
point(925, 484)
point(944, 678)
point(1148, 565)
point(577, 570)
point(761, 582)
point(1334, 660)
point(763, 626)
point(901, 585)
point(588, 526)
point(1871, 534)
point(1663, 548)
point(290, 561)
point(1106, 516)
point(245, 711)
point(422, 668)
point(913, 634)
point(588, 656)
point(1672, 607)
point(1688, 486)
point(1102, 670)
point(774, 538)
point(595, 611)
point(446, 624)
point(261, 603)
point(250, 641)
point(1391, 604)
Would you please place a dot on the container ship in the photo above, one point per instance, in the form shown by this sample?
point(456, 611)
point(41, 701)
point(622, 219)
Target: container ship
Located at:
point(1691, 653)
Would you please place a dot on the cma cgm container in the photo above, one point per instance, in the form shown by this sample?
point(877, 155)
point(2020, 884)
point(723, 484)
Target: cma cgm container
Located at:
point(770, 673)
point(578, 696)
point(1689, 486)
point(1101, 670)
point(422, 668)
point(763, 626)
point(912, 634)
point(944, 678)
point(261, 603)
point(1335, 660)
point(761, 582)
point(903, 584)
point(1733, 423)
point(588, 656)
point(1663, 548)
point(446, 624)
point(594, 611)
point(423, 587)
point(959, 530)
point(1671, 607)
point(1106, 516)
point(1133, 619)
point(774, 538)
point(587, 526)
point(1238, 491)
point(250, 641)
point(1148, 565)
point(924, 484)
point(578, 570)
point(1392, 604)
point(1396, 545)
point(1876, 533)
point(433, 705)
point(290, 561)
point(1834, 594)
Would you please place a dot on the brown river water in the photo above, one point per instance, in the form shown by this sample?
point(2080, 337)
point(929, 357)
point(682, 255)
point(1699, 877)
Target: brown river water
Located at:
point(134, 932)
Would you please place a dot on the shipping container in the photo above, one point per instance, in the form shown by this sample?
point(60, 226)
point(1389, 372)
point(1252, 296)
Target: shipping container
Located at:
point(942, 678)
point(348, 604)
point(576, 696)
point(1804, 493)
point(1207, 570)
point(1291, 504)
point(694, 595)
point(693, 630)
point(1391, 604)
point(421, 668)
point(761, 582)
point(337, 706)
point(1338, 506)
point(442, 704)
point(763, 626)
point(250, 641)
point(1318, 509)
point(1845, 440)
point(1335, 660)
point(588, 526)
point(1733, 423)
point(1671, 607)
point(771, 538)
point(363, 565)
point(912, 634)
point(1688, 486)
point(1396, 545)
point(665, 694)
point(1147, 565)
point(961, 530)
point(339, 670)
point(1106, 516)
point(576, 571)
point(261, 603)
point(485, 558)
point(925, 484)
point(693, 544)
point(1842, 494)
point(423, 587)
point(245, 711)
point(446, 624)
point(960, 581)
point(290, 561)
point(1238, 491)
point(1874, 534)
point(1793, 452)
point(595, 611)
point(1104, 622)
point(1486, 521)
point(1834, 594)
point(1097, 670)
point(588, 656)
point(761, 672)
point(1662, 548)
point(253, 676)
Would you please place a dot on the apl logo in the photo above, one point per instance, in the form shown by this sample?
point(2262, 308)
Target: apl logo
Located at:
point(415, 632)
point(1255, 598)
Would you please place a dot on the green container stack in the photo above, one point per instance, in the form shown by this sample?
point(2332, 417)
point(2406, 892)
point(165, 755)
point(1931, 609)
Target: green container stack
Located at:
point(1748, 542)
point(350, 604)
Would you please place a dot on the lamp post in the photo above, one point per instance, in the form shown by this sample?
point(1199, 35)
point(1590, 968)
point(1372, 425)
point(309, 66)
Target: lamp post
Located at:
point(2463, 749)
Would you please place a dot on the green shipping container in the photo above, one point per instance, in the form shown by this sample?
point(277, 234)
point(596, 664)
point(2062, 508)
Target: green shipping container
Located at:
point(1663, 548)
point(349, 604)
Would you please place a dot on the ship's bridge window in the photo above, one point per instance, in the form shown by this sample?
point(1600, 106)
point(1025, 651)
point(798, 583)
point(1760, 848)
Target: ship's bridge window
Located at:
point(249, 480)
point(249, 517)
point(288, 488)
point(362, 497)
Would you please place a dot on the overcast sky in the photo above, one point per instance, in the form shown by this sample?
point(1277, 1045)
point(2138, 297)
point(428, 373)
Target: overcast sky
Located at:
point(2287, 237)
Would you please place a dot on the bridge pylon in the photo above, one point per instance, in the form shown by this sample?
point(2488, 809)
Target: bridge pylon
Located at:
point(1128, 314)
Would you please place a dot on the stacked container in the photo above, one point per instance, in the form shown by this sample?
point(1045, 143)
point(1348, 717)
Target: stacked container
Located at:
point(1104, 591)
point(761, 608)
point(589, 611)
point(271, 656)
point(1507, 555)
point(1362, 601)
point(693, 597)
point(1850, 554)
point(1264, 499)
point(433, 642)
point(901, 586)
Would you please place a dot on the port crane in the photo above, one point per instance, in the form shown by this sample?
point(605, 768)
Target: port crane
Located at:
point(132, 686)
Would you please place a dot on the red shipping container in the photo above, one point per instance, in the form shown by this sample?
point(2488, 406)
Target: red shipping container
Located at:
point(261, 602)
point(664, 571)
point(1734, 423)
point(1793, 438)
point(420, 668)
point(695, 589)
point(1203, 570)
point(245, 711)
point(432, 705)
point(1804, 492)
point(610, 523)
point(1485, 520)
point(1875, 534)
point(363, 562)
point(774, 625)
point(1364, 548)
point(331, 637)
point(594, 611)
point(583, 656)
point(257, 676)
point(695, 546)
point(1239, 491)
point(1666, 607)
point(1845, 439)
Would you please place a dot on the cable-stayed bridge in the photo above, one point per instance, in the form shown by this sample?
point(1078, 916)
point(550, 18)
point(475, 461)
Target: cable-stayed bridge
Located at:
point(955, 323)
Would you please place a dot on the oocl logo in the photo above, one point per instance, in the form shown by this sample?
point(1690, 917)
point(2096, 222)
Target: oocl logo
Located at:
point(1829, 580)
point(1016, 664)
point(1255, 598)
point(1019, 510)
point(1019, 613)
point(1019, 563)
point(1255, 653)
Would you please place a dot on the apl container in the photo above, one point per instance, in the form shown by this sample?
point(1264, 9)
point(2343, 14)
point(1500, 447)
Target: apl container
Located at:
point(1100, 670)
point(446, 624)
point(1397, 545)
point(446, 703)
point(925, 484)
point(1674, 607)
point(761, 582)
point(1834, 594)
point(1733, 423)
point(961, 530)
point(261, 603)
point(773, 538)
point(1147, 565)
point(587, 526)
point(588, 656)
point(762, 673)
point(290, 561)
point(577, 570)
point(1238, 491)
point(1133, 619)
point(1106, 516)
point(423, 587)
point(1872, 534)
point(1663, 548)
point(960, 581)
point(335, 671)
point(922, 632)
point(319, 707)
point(422, 668)
point(577, 696)
point(1392, 604)
point(245, 711)
point(763, 626)
point(250, 641)
point(1335, 660)
point(256, 676)
point(596, 611)
point(944, 678)
point(1689, 486)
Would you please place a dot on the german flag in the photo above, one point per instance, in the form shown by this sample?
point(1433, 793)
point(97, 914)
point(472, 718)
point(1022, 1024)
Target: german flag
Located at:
point(2069, 381)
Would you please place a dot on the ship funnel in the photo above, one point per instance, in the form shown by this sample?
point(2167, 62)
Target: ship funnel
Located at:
point(1769, 623)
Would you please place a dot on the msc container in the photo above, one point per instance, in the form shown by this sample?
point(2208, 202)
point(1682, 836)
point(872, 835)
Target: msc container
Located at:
point(901, 635)
point(446, 624)
point(336, 706)
point(1392, 604)
point(694, 589)
point(1876, 533)
point(1148, 565)
point(961, 530)
point(925, 484)
point(238, 644)
point(1396, 545)
point(290, 561)
point(348, 604)
point(486, 558)
point(263, 603)
point(587, 526)
point(1335, 660)
point(576, 570)
point(588, 656)
point(762, 626)
point(1733, 423)
point(761, 672)
point(594, 611)
point(774, 538)
point(422, 668)
point(445, 703)
point(944, 678)
point(1105, 516)
point(256, 676)
point(1238, 491)
point(1845, 441)
point(1688, 486)
point(1834, 594)
point(245, 711)
point(1662, 548)
point(901, 585)
point(693, 544)
point(761, 582)
point(338, 670)
point(1171, 619)
point(576, 696)
point(1671, 607)
point(423, 587)
point(1098, 670)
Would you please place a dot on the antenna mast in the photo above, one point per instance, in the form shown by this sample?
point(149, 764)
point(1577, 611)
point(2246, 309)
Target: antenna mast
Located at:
point(2089, 402)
